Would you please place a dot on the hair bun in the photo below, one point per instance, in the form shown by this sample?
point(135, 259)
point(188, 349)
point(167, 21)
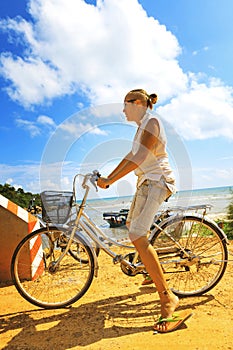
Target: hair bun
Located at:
point(153, 98)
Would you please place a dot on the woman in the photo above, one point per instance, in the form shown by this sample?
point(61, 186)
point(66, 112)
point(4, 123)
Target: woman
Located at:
point(149, 160)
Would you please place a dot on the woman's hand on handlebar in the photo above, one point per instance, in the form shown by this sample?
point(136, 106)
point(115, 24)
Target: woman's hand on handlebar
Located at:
point(103, 182)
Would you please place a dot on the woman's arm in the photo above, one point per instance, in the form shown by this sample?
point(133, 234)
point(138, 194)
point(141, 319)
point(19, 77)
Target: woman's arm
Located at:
point(121, 165)
point(118, 172)
point(130, 162)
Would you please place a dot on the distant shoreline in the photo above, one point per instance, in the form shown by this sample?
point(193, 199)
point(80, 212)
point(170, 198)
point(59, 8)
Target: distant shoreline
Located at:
point(196, 190)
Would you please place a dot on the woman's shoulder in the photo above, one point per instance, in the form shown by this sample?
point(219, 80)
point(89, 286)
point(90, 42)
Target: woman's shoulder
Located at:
point(150, 116)
point(153, 122)
point(151, 119)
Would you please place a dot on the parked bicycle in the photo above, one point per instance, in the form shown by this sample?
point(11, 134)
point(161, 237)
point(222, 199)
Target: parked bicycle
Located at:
point(54, 266)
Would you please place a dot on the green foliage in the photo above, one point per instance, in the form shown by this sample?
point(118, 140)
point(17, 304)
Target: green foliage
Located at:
point(18, 196)
point(228, 228)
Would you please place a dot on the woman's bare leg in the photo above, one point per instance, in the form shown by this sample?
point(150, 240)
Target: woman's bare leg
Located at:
point(169, 302)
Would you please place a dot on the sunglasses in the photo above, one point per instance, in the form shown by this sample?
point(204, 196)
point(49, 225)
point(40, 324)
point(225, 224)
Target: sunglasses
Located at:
point(130, 101)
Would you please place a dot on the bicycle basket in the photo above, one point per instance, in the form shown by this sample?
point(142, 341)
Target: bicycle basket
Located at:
point(56, 206)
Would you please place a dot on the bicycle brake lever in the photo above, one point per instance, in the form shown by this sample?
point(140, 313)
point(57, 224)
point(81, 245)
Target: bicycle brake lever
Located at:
point(98, 175)
point(94, 178)
point(93, 181)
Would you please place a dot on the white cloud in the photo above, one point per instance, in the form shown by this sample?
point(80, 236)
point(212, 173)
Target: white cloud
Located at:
point(196, 52)
point(43, 119)
point(206, 177)
point(225, 174)
point(102, 51)
point(203, 111)
point(9, 181)
point(28, 87)
point(25, 175)
point(35, 128)
point(28, 125)
point(226, 158)
point(78, 129)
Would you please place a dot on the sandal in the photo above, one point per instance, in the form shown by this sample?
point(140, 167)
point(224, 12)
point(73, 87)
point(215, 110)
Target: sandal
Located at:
point(147, 280)
point(172, 323)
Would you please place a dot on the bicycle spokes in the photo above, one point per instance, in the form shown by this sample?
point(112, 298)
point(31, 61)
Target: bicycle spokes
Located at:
point(195, 259)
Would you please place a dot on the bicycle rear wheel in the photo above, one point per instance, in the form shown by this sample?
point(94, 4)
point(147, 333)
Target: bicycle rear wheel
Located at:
point(198, 264)
point(39, 280)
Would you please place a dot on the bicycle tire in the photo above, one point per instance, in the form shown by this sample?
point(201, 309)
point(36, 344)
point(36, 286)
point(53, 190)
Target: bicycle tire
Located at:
point(34, 276)
point(206, 246)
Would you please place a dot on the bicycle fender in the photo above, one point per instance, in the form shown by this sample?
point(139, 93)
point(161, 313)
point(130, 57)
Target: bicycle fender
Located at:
point(186, 215)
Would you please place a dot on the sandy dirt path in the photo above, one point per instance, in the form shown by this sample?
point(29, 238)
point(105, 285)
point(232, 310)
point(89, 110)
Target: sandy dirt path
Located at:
point(117, 313)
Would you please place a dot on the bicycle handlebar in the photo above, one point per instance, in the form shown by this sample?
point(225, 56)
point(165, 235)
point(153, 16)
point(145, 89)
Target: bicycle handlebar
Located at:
point(92, 177)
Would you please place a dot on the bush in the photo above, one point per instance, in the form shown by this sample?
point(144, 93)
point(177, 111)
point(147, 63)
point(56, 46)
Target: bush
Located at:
point(228, 227)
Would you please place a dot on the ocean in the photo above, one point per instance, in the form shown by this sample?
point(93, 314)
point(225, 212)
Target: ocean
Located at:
point(218, 197)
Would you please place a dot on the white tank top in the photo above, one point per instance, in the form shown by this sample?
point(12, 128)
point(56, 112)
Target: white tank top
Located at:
point(156, 163)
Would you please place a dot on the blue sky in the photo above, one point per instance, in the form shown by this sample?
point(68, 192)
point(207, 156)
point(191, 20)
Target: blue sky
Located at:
point(65, 67)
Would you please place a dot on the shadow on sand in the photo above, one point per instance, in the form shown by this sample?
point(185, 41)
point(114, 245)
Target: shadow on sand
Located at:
point(88, 323)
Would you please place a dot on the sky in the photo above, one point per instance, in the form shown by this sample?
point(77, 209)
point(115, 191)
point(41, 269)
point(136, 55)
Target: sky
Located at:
point(65, 67)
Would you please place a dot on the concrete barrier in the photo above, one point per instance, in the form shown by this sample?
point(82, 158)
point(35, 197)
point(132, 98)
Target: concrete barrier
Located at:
point(15, 223)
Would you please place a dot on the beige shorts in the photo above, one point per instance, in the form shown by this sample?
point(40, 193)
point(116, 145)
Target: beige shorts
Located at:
point(146, 202)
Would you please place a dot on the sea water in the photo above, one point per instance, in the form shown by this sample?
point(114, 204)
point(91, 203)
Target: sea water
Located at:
point(218, 198)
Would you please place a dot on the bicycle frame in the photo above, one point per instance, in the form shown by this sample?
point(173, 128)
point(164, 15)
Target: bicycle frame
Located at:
point(84, 222)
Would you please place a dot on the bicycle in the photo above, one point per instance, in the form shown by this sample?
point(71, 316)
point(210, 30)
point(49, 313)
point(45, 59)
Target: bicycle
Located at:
point(192, 250)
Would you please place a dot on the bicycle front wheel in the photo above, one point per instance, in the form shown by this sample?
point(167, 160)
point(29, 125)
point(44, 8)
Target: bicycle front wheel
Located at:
point(192, 252)
point(38, 277)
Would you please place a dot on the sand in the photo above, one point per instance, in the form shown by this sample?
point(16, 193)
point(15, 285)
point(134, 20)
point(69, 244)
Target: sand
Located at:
point(118, 313)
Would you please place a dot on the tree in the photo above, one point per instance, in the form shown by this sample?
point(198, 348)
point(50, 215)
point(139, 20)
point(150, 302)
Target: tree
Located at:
point(18, 196)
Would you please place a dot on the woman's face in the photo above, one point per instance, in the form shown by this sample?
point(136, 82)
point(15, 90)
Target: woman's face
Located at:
point(133, 110)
